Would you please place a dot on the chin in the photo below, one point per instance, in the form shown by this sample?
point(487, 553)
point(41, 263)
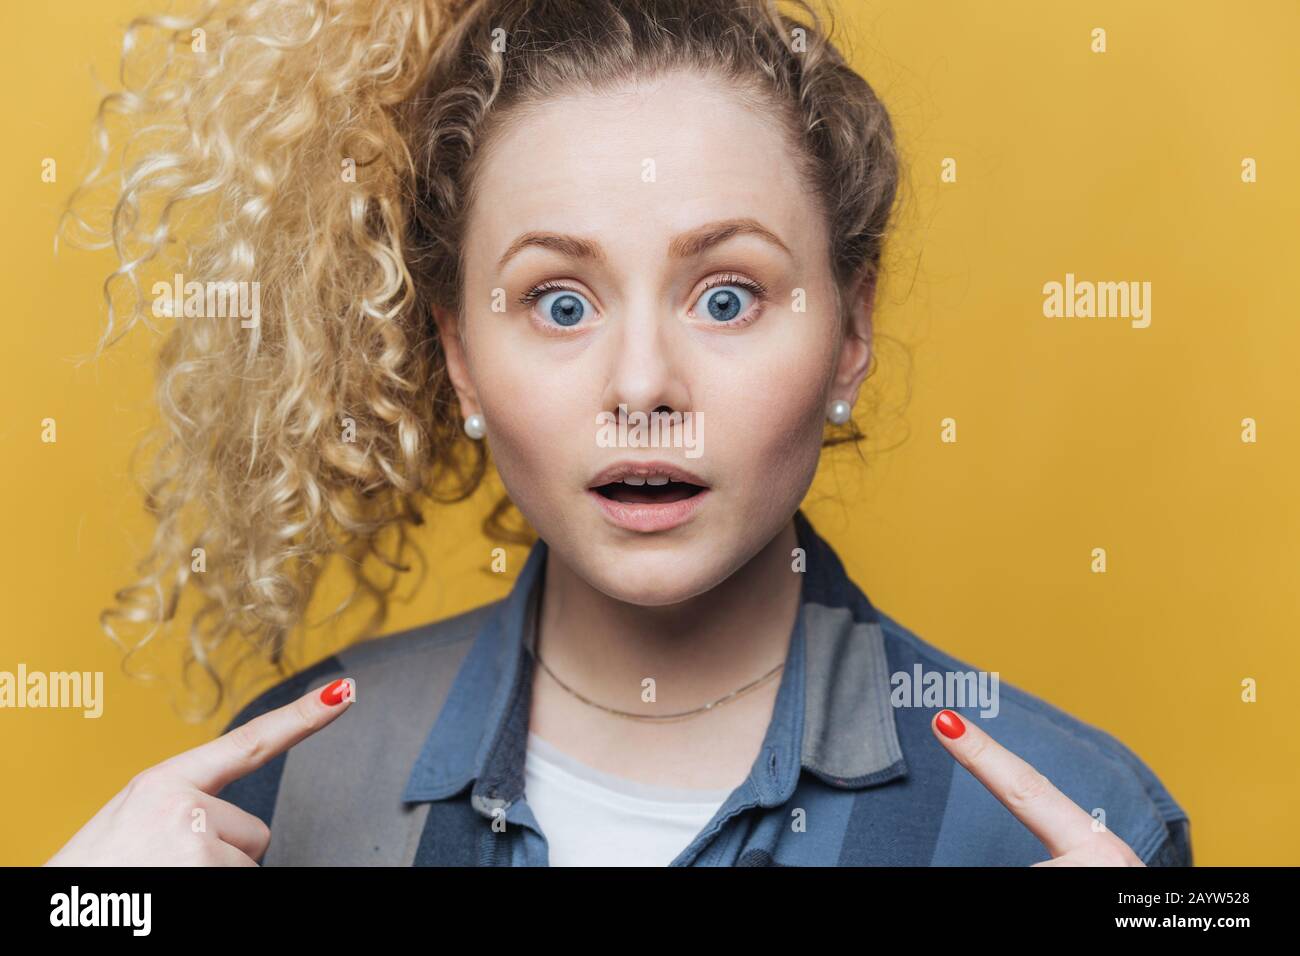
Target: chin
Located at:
point(653, 578)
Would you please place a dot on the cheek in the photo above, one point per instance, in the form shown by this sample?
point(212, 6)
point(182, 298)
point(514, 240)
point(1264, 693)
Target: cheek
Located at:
point(533, 418)
point(779, 434)
point(771, 410)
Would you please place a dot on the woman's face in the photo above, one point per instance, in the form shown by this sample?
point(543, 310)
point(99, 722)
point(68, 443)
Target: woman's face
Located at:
point(670, 261)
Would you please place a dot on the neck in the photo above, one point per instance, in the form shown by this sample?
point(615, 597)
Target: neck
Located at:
point(696, 651)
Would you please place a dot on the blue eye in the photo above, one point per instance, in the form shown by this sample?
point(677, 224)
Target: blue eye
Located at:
point(724, 302)
point(564, 307)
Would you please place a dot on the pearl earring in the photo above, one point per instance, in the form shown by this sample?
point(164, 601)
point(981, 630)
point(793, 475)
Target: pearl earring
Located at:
point(839, 411)
point(474, 426)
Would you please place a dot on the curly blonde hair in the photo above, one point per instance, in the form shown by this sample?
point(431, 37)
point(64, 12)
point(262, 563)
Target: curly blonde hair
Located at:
point(326, 150)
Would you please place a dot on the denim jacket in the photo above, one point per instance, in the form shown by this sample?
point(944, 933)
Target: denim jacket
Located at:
point(427, 768)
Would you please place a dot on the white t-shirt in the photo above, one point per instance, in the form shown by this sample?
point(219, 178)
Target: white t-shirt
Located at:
point(593, 818)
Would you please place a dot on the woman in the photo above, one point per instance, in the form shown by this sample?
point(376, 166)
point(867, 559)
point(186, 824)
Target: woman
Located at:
point(631, 248)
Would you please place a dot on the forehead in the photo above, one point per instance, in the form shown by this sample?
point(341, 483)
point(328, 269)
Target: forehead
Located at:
point(633, 166)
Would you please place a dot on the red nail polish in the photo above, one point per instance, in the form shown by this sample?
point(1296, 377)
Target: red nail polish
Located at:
point(335, 693)
point(950, 725)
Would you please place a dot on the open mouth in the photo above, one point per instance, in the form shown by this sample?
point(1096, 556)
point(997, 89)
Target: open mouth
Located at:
point(648, 496)
point(651, 491)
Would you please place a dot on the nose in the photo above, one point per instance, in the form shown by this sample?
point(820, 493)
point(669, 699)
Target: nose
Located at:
point(646, 364)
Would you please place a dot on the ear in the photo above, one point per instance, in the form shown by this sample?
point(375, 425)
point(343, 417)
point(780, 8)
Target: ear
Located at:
point(855, 351)
point(453, 348)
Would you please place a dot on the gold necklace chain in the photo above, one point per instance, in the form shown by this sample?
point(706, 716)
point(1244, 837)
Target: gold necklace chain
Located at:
point(681, 715)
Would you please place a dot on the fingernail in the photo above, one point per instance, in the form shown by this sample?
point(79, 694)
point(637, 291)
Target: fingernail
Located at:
point(336, 693)
point(950, 725)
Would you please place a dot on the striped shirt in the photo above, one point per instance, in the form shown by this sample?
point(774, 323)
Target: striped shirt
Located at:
point(428, 766)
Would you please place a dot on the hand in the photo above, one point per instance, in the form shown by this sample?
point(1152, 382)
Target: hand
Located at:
point(154, 820)
point(1061, 824)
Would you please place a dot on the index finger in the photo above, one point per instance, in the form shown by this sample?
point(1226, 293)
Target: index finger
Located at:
point(212, 765)
point(1057, 821)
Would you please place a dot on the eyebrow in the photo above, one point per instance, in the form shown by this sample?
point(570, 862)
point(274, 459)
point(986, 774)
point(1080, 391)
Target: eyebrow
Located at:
point(684, 246)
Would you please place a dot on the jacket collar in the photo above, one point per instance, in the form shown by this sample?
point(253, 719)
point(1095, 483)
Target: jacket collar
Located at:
point(832, 716)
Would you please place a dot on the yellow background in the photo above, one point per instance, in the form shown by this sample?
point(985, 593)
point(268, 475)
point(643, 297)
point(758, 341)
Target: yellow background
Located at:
point(1072, 433)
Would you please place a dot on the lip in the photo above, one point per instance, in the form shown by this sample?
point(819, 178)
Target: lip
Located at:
point(646, 517)
point(623, 469)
